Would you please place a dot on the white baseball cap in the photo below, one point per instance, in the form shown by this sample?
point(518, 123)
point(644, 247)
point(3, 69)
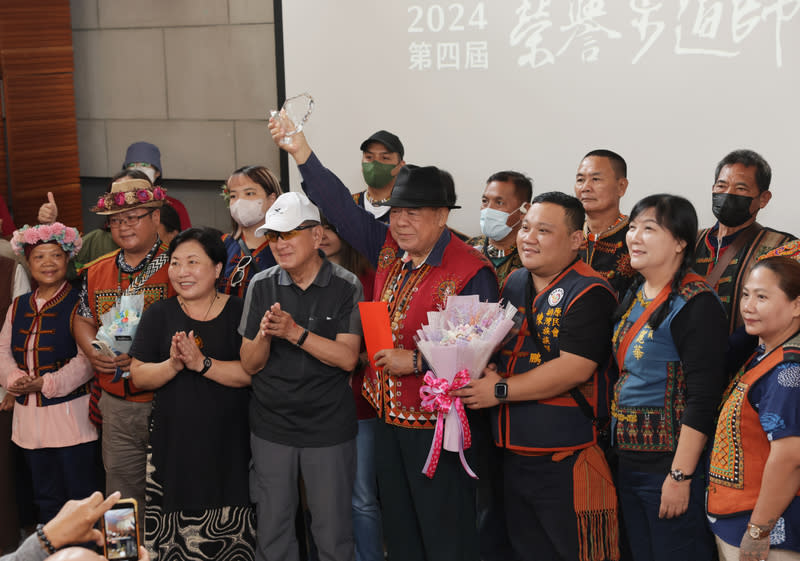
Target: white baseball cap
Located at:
point(288, 212)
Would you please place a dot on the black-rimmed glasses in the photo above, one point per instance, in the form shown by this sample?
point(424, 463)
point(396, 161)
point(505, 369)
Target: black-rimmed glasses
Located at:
point(131, 221)
point(239, 272)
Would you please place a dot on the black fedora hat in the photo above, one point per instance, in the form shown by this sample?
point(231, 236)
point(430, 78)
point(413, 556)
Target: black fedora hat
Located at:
point(418, 187)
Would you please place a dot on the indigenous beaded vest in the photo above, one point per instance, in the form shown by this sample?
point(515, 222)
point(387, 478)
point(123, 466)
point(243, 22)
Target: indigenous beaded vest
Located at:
point(410, 295)
point(558, 423)
point(741, 447)
point(650, 395)
point(105, 285)
point(730, 283)
point(50, 327)
point(503, 266)
point(607, 254)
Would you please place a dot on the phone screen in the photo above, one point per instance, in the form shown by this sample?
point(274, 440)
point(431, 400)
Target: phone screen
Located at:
point(121, 531)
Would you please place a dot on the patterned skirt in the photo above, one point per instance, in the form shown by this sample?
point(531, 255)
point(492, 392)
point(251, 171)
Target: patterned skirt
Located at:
point(223, 534)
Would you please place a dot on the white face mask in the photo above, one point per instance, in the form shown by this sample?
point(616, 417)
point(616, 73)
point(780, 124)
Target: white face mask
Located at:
point(494, 223)
point(149, 171)
point(247, 212)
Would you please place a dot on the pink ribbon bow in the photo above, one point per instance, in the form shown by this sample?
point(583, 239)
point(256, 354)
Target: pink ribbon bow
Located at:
point(435, 395)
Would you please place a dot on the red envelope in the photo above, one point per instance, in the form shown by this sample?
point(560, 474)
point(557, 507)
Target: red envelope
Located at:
point(377, 330)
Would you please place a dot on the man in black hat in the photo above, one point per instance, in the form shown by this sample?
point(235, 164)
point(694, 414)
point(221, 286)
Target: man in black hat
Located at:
point(381, 160)
point(418, 264)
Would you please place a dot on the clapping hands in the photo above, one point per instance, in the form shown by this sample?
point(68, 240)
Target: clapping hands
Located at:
point(184, 352)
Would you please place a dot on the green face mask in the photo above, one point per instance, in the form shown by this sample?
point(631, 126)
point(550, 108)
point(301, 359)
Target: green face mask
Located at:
point(376, 174)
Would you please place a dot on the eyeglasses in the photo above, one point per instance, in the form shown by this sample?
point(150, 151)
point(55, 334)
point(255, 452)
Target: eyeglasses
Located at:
point(239, 272)
point(273, 236)
point(132, 220)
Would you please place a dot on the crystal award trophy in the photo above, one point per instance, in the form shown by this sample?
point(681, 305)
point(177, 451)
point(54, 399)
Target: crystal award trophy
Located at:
point(293, 115)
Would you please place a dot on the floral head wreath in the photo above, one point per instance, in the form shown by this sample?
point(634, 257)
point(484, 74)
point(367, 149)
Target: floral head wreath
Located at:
point(226, 193)
point(128, 194)
point(28, 236)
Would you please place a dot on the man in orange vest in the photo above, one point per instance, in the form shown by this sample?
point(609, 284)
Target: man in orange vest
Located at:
point(138, 267)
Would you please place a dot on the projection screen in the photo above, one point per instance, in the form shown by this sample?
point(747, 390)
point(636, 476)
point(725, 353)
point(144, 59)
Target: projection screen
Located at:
point(532, 85)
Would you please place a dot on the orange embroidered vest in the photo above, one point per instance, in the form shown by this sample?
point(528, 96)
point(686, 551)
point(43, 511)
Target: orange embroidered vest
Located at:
point(741, 447)
point(105, 286)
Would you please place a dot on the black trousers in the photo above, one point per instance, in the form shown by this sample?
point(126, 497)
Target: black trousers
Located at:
point(540, 511)
point(424, 519)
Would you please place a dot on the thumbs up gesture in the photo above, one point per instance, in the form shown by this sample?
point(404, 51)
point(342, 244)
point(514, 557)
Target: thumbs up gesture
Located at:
point(48, 212)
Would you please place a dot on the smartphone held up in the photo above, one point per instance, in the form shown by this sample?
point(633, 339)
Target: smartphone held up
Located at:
point(121, 531)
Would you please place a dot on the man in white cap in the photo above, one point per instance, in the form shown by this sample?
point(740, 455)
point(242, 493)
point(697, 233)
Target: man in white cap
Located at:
point(301, 337)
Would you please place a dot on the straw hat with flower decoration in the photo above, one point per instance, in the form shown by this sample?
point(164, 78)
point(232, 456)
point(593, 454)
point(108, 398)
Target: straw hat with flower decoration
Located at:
point(128, 194)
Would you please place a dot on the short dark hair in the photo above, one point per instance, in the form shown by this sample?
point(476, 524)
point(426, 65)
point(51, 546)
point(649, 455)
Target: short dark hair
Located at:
point(209, 238)
point(748, 159)
point(263, 177)
point(617, 161)
point(169, 218)
point(523, 185)
point(573, 209)
point(130, 174)
point(786, 269)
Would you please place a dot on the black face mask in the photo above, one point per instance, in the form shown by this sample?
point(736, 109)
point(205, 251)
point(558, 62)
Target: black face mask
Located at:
point(731, 210)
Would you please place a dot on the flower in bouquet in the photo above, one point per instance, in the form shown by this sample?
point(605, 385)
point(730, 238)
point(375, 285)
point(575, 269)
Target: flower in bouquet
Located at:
point(119, 324)
point(457, 343)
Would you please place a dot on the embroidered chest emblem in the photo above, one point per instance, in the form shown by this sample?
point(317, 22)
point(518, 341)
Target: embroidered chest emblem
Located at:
point(386, 257)
point(445, 289)
point(555, 296)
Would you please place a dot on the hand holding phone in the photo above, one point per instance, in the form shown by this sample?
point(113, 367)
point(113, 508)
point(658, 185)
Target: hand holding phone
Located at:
point(121, 531)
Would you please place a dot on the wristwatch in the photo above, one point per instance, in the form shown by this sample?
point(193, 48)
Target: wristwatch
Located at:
point(679, 476)
point(206, 366)
point(758, 532)
point(501, 391)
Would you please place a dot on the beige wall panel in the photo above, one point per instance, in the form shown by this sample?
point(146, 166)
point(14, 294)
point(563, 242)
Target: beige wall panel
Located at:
point(92, 149)
point(83, 14)
point(225, 72)
point(204, 205)
point(119, 74)
point(189, 149)
point(162, 13)
point(254, 146)
point(251, 11)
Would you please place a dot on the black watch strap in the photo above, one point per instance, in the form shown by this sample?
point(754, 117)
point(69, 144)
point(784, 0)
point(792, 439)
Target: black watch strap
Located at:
point(679, 476)
point(206, 366)
point(501, 390)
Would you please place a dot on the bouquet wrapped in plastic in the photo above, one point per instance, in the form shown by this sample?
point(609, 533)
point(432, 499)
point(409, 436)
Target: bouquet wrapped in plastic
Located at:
point(118, 327)
point(457, 343)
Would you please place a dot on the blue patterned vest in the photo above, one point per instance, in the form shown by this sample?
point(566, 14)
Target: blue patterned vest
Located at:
point(558, 423)
point(54, 345)
point(650, 395)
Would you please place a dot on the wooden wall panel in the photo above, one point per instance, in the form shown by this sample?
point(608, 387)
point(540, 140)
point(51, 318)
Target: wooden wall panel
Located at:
point(3, 170)
point(38, 24)
point(36, 64)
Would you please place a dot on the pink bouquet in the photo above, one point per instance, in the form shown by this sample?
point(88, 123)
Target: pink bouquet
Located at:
point(457, 343)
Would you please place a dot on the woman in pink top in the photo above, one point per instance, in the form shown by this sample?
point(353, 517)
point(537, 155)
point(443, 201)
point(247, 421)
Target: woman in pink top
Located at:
point(42, 366)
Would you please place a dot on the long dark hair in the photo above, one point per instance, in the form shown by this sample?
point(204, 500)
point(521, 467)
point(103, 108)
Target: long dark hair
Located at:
point(679, 218)
point(349, 258)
